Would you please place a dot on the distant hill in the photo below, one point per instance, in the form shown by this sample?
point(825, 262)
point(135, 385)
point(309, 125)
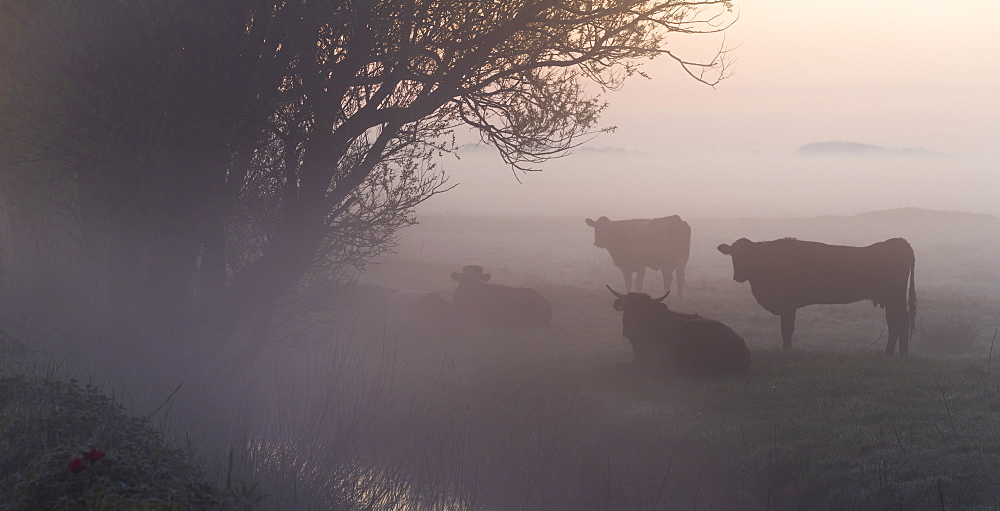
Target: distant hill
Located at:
point(920, 214)
point(859, 149)
point(920, 226)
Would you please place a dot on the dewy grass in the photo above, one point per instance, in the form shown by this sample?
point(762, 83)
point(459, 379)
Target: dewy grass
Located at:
point(812, 430)
point(951, 333)
point(67, 446)
point(830, 425)
point(499, 426)
point(557, 418)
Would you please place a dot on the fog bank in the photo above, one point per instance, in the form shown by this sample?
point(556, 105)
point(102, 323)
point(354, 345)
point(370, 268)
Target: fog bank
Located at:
point(620, 182)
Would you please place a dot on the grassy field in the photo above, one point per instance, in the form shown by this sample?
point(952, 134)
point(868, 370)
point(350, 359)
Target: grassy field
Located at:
point(340, 417)
point(808, 430)
point(557, 418)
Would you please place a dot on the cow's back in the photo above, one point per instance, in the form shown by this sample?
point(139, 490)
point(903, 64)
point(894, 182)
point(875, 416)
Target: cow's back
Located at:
point(504, 306)
point(794, 256)
point(790, 273)
point(533, 308)
point(710, 348)
point(424, 314)
point(663, 242)
point(409, 314)
point(690, 345)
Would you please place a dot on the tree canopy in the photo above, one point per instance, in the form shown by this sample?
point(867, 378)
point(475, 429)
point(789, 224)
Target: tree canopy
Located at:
point(200, 159)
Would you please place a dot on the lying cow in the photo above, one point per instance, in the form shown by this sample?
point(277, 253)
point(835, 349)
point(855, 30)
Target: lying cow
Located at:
point(787, 274)
point(679, 343)
point(498, 305)
point(408, 314)
point(423, 314)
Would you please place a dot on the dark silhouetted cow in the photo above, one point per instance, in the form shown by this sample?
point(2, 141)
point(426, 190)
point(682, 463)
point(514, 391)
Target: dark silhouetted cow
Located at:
point(661, 244)
point(409, 314)
point(498, 305)
point(787, 274)
point(424, 314)
point(679, 343)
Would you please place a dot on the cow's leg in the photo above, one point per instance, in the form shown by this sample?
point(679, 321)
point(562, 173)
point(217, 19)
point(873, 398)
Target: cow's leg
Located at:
point(640, 275)
point(904, 331)
point(890, 345)
point(680, 282)
point(896, 323)
point(668, 279)
point(787, 328)
point(627, 275)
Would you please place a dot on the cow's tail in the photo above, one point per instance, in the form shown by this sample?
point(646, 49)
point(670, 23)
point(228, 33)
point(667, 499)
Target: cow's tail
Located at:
point(911, 305)
point(685, 243)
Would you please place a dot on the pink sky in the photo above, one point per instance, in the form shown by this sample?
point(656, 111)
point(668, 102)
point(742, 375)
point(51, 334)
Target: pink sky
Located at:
point(891, 73)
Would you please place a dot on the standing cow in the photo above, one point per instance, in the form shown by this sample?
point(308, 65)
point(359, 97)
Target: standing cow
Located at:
point(660, 243)
point(498, 305)
point(678, 343)
point(787, 274)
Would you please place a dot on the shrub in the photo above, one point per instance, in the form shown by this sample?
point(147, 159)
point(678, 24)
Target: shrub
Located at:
point(68, 446)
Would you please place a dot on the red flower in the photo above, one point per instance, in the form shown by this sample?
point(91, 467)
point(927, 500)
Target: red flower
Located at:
point(93, 455)
point(76, 465)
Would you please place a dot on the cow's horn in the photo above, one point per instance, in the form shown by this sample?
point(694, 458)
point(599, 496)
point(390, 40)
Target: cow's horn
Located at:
point(664, 297)
point(616, 293)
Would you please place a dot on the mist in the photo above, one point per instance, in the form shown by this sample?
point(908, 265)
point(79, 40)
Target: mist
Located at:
point(349, 315)
point(654, 181)
point(894, 75)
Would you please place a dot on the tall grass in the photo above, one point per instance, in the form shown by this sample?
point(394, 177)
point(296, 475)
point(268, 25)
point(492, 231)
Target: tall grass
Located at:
point(339, 415)
point(807, 430)
point(949, 333)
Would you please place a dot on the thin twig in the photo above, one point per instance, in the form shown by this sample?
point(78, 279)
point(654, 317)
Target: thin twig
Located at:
point(746, 383)
point(898, 441)
point(875, 342)
point(697, 491)
point(552, 446)
point(607, 490)
point(986, 380)
point(670, 464)
point(165, 401)
point(947, 408)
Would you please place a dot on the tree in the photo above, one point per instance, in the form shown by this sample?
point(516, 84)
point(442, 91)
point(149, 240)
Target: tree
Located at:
point(207, 157)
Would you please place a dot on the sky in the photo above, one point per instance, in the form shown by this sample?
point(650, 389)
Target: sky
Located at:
point(888, 73)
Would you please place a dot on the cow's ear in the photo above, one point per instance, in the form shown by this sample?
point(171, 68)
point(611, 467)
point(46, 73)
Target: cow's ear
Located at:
point(725, 249)
point(457, 277)
point(590, 222)
point(619, 304)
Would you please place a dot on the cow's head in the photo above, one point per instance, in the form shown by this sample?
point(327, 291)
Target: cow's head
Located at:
point(602, 231)
point(638, 309)
point(743, 258)
point(473, 273)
